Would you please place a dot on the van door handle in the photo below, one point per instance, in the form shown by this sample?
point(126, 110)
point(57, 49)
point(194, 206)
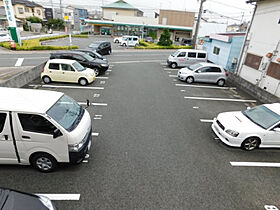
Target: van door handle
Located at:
point(26, 137)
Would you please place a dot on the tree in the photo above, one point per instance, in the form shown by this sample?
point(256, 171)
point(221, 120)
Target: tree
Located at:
point(34, 19)
point(164, 39)
point(55, 24)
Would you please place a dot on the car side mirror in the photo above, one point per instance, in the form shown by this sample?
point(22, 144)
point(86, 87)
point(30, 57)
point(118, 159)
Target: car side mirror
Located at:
point(57, 133)
point(277, 130)
point(88, 104)
point(248, 108)
point(198, 71)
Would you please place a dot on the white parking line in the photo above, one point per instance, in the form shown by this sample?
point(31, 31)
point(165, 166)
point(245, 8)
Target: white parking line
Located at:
point(109, 70)
point(19, 62)
point(97, 118)
point(93, 104)
point(206, 121)
point(98, 115)
point(170, 69)
point(94, 134)
point(145, 61)
point(102, 77)
point(172, 75)
point(183, 90)
point(68, 87)
point(218, 99)
point(102, 82)
point(204, 86)
point(61, 197)
point(255, 164)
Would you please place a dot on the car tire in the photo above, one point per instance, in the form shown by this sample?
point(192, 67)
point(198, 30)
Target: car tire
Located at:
point(46, 79)
point(251, 143)
point(109, 52)
point(124, 45)
point(189, 80)
point(221, 82)
point(44, 162)
point(117, 41)
point(83, 81)
point(173, 65)
point(96, 71)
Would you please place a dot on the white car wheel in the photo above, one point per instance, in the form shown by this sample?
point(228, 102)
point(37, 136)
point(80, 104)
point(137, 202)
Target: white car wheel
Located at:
point(250, 143)
point(189, 80)
point(46, 79)
point(83, 82)
point(221, 82)
point(173, 65)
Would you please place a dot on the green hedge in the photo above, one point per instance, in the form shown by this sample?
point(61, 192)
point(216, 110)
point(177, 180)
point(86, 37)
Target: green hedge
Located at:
point(53, 37)
point(79, 36)
point(147, 45)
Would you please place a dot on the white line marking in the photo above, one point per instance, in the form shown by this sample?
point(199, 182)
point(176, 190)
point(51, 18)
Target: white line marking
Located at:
point(145, 61)
point(207, 121)
point(174, 80)
point(195, 107)
point(172, 75)
point(255, 164)
point(60, 197)
point(96, 95)
point(19, 62)
point(216, 138)
point(98, 115)
point(170, 69)
point(85, 161)
point(102, 77)
point(219, 99)
point(93, 104)
point(102, 82)
point(183, 90)
point(204, 86)
point(97, 118)
point(94, 134)
point(69, 87)
point(164, 64)
point(109, 70)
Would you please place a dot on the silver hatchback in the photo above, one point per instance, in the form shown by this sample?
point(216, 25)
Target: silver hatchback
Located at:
point(203, 72)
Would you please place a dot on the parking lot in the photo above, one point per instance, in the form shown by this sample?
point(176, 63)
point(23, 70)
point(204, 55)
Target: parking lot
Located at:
point(153, 147)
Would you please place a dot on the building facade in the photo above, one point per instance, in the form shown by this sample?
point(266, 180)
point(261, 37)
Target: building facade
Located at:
point(224, 49)
point(260, 61)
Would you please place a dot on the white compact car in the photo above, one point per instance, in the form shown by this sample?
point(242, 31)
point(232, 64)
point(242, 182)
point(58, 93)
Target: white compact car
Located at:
point(5, 37)
point(63, 70)
point(250, 129)
point(203, 72)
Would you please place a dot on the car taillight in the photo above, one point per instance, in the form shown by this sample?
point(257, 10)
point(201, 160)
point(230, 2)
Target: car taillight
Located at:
point(43, 69)
point(226, 74)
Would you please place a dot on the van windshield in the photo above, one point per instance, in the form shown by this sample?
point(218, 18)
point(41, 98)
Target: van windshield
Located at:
point(66, 112)
point(175, 54)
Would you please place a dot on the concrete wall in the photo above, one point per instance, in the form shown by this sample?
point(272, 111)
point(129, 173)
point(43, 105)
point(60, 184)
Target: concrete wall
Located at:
point(263, 38)
point(23, 78)
point(177, 18)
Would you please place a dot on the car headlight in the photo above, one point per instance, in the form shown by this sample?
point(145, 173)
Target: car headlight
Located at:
point(232, 132)
point(75, 147)
point(104, 65)
point(47, 202)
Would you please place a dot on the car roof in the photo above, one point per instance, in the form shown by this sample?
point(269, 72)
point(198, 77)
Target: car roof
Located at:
point(99, 42)
point(275, 107)
point(192, 50)
point(64, 61)
point(209, 64)
point(68, 51)
point(28, 100)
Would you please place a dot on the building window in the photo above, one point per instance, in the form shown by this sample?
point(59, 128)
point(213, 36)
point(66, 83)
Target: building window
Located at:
point(20, 10)
point(274, 70)
point(26, 9)
point(253, 61)
point(38, 12)
point(216, 50)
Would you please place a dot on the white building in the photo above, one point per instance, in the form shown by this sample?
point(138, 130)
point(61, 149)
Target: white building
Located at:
point(260, 61)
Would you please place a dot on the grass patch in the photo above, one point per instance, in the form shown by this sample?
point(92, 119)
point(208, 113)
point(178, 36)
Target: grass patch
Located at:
point(147, 45)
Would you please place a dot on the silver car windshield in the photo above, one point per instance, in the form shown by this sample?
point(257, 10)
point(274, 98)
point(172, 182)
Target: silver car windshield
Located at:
point(194, 66)
point(262, 116)
point(78, 66)
point(66, 112)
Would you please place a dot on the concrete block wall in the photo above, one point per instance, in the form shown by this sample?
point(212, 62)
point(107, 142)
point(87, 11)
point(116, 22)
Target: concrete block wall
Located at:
point(253, 90)
point(23, 78)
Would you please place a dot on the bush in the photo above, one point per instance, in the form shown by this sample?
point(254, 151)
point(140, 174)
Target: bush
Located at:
point(164, 39)
point(147, 45)
point(57, 24)
point(34, 19)
point(52, 37)
point(79, 36)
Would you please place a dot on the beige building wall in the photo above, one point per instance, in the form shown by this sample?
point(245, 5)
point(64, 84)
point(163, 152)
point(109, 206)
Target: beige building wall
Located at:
point(176, 18)
point(109, 13)
point(23, 12)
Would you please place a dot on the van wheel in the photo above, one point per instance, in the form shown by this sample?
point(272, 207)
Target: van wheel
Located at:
point(189, 80)
point(96, 71)
point(251, 143)
point(117, 41)
point(44, 162)
point(124, 44)
point(83, 81)
point(221, 82)
point(173, 65)
point(46, 80)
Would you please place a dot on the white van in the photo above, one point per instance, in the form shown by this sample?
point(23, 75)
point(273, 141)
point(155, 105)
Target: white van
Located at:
point(130, 41)
point(186, 57)
point(42, 128)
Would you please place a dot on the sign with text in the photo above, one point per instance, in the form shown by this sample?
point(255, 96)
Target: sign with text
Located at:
point(10, 13)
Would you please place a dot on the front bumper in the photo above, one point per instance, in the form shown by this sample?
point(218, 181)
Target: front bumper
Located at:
point(77, 157)
point(181, 77)
point(225, 137)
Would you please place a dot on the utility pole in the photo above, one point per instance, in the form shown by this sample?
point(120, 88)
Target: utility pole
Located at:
point(60, 5)
point(197, 23)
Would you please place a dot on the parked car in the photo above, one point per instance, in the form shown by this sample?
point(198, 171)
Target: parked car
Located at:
point(102, 47)
point(250, 129)
point(91, 53)
point(117, 39)
point(42, 128)
point(149, 39)
point(63, 70)
point(203, 72)
point(186, 41)
point(99, 66)
point(129, 41)
point(186, 57)
point(13, 200)
point(5, 37)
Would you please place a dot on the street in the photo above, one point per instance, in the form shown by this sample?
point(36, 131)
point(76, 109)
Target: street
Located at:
point(153, 146)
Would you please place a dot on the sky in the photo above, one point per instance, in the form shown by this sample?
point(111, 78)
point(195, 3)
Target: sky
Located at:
point(229, 11)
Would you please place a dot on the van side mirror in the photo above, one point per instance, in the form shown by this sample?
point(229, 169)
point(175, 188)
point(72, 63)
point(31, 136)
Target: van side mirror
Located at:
point(88, 103)
point(57, 133)
point(277, 130)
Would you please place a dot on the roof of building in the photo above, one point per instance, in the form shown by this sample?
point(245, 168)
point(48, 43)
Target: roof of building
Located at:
point(26, 3)
point(120, 5)
point(112, 23)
